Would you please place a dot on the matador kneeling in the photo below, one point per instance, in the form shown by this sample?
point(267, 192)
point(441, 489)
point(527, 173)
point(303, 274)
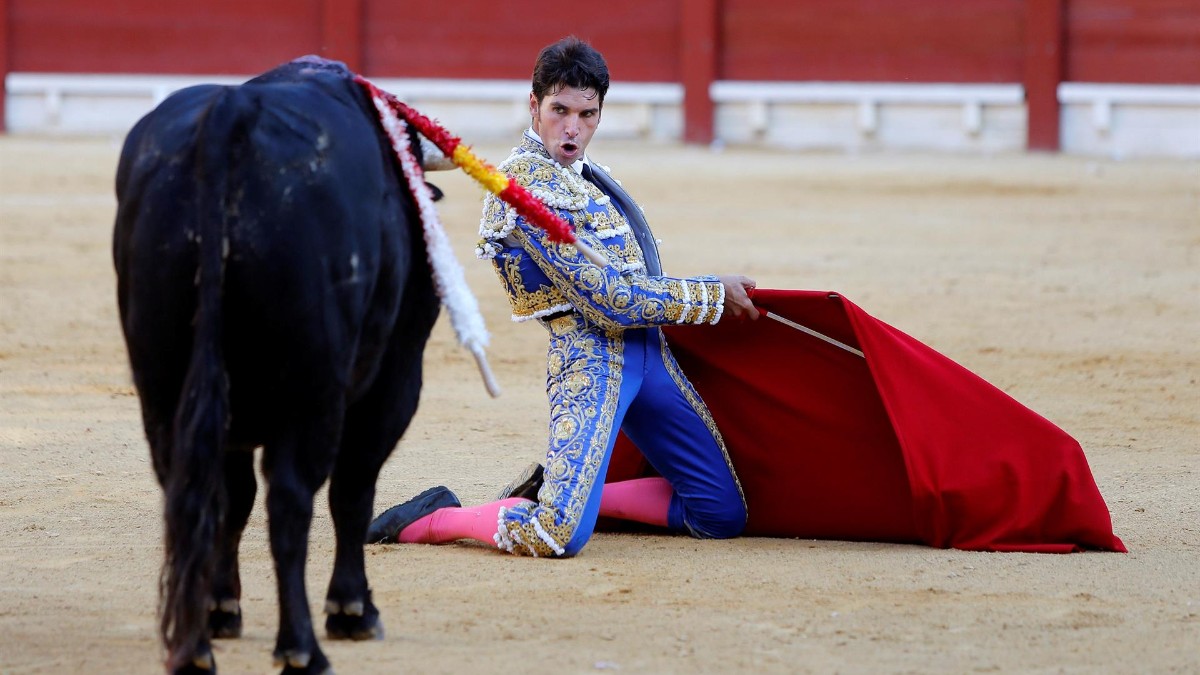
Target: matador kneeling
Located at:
point(609, 369)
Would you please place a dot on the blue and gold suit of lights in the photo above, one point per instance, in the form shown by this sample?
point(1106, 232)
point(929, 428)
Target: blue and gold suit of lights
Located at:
point(608, 366)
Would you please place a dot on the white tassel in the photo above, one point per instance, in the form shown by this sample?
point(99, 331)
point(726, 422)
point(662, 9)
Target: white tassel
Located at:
point(503, 541)
point(432, 158)
point(448, 277)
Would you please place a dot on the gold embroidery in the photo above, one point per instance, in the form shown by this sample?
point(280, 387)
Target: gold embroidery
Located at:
point(617, 297)
point(584, 393)
point(526, 302)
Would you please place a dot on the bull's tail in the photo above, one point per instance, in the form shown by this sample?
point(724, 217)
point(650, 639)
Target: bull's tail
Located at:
point(195, 508)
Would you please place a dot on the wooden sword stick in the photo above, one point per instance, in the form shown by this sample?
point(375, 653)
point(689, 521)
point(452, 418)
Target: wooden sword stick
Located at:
point(820, 336)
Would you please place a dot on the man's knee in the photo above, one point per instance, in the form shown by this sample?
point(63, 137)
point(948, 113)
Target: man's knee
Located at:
point(722, 523)
point(574, 546)
point(580, 530)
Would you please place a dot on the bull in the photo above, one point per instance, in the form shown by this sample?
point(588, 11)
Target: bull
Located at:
point(274, 293)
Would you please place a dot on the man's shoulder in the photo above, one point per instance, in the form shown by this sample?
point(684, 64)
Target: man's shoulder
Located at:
point(597, 166)
point(529, 168)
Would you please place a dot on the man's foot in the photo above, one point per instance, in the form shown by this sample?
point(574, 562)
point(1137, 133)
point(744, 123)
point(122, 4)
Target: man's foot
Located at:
point(387, 525)
point(526, 485)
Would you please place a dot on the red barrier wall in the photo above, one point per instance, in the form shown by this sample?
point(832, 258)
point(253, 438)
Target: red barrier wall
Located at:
point(872, 40)
point(1140, 41)
point(4, 67)
point(1144, 41)
point(150, 36)
point(488, 39)
point(1043, 72)
point(1034, 42)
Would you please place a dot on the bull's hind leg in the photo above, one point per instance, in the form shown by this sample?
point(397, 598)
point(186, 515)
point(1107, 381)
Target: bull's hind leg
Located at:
point(373, 426)
point(225, 616)
point(351, 614)
point(295, 468)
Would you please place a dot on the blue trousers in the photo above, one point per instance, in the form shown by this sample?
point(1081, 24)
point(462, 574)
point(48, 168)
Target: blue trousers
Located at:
point(600, 383)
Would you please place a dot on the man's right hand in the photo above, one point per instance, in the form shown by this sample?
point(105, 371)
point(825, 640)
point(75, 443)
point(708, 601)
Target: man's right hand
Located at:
point(737, 298)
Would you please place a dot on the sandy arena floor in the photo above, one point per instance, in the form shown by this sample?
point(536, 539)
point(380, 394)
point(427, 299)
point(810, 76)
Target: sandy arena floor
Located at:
point(1073, 284)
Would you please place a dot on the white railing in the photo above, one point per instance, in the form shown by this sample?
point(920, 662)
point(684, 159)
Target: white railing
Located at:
point(55, 88)
point(1097, 119)
point(638, 100)
point(1130, 120)
point(1103, 97)
point(867, 97)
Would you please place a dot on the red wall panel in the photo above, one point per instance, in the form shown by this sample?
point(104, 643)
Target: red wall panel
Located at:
point(1145, 41)
point(152, 36)
point(488, 39)
point(1140, 41)
point(873, 40)
point(5, 34)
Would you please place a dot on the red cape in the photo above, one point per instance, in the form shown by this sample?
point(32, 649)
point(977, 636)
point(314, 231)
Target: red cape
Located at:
point(903, 445)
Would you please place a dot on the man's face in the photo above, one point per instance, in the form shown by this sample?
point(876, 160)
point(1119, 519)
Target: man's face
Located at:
point(566, 120)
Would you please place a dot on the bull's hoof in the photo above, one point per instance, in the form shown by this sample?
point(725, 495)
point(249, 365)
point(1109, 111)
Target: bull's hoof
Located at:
point(225, 620)
point(296, 662)
point(365, 625)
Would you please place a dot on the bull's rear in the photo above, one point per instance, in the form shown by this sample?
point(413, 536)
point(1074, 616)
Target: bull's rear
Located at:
point(274, 292)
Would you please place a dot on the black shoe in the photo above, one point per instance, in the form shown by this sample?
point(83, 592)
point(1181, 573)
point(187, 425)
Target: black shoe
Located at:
point(387, 525)
point(526, 485)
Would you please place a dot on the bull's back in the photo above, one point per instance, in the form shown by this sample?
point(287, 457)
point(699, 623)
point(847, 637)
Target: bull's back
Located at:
point(291, 177)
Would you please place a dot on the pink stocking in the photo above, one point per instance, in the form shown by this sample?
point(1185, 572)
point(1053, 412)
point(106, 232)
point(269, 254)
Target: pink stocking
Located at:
point(644, 500)
point(453, 523)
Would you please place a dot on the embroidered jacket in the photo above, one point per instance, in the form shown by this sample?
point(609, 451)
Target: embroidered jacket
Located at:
point(543, 277)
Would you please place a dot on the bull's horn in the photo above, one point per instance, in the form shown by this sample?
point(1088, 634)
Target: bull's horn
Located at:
point(432, 158)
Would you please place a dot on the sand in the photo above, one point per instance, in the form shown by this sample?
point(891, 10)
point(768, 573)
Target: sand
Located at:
point(1071, 283)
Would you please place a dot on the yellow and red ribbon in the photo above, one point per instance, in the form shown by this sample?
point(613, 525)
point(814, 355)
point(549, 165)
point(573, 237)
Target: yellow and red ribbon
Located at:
point(508, 190)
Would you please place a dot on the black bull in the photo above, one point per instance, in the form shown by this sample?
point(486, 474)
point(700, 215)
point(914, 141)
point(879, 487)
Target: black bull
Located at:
point(274, 292)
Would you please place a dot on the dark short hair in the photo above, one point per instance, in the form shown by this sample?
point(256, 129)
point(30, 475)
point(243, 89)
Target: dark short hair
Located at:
point(570, 62)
